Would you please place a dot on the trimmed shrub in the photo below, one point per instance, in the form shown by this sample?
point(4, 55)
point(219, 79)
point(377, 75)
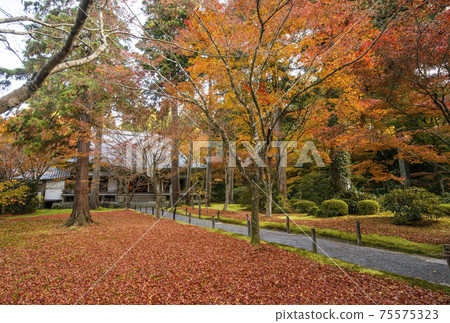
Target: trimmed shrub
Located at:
point(331, 208)
point(304, 206)
point(62, 205)
point(410, 205)
point(368, 207)
point(352, 198)
point(313, 211)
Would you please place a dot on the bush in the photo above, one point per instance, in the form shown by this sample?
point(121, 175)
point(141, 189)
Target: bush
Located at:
point(112, 205)
point(330, 208)
point(313, 211)
point(18, 198)
point(352, 198)
point(410, 205)
point(304, 206)
point(62, 205)
point(368, 207)
point(315, 187)
point(238, 192)
point(445, 209)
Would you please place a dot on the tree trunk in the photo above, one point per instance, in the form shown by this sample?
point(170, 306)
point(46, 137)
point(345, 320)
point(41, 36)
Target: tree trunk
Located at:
point(157, 187)
point(175, 176)
point(281, 171)
point(227, 187)
point(80, 213)
point(188, 174)
point(231, 184)
point(404, 172)
point(340, 172)
point(269, 199)
point(255, 237)
point(208, 177)
point(94, 199)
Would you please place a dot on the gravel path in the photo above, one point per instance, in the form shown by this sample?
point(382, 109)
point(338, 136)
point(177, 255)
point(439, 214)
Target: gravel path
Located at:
point(426, 268)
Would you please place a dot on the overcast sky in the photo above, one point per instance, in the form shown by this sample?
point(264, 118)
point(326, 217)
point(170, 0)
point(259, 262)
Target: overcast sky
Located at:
point(8, 59)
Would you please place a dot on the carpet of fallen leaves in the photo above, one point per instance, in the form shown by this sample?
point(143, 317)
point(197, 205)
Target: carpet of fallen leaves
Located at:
point(44, 263)
point(427, 231)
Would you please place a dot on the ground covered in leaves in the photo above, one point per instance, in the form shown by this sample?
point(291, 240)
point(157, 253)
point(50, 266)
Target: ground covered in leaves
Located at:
point(427, 231)
point(44, 263)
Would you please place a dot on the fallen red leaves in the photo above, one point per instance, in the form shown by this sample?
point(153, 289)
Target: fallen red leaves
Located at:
point(428, 231)
point(42, 263)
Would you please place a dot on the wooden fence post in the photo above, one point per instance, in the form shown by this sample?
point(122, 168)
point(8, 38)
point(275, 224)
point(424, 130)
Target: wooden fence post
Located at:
point(174, 211)
point(189, 217)
point(199, 211)
point(358, 233)
point(446, 253)
point(218, 216)
point(313, 236)
point(212, 222)
point(287, 224)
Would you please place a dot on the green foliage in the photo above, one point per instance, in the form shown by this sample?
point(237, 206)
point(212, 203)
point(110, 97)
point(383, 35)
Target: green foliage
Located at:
point(315, 187)
point(445, 209)
point(280, 204)
point(242, 195)
point(218, 192)
point(368, 207)
point(331, 208)
point(303, 206)
point(410, 205)
point(18, 198)
point(314, 210)
point(112, 205)
point(446, 198)
point(352, 198)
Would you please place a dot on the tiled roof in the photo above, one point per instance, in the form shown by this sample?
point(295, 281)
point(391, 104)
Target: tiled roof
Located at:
point(55, 173)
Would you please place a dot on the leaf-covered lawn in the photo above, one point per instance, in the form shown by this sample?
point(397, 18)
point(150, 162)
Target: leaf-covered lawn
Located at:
point(427, 231)
point(43, 263)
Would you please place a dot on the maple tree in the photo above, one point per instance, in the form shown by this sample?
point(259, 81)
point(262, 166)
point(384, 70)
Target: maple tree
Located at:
point(244, 61)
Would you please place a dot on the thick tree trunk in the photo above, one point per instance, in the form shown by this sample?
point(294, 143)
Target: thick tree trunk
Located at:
point(255, 237)
point(80, 213)
point(404, 172)
point(208, 178)
point(94, 199)
point(188, 173)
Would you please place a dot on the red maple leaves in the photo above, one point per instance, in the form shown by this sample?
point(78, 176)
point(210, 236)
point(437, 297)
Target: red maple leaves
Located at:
point(42, 263)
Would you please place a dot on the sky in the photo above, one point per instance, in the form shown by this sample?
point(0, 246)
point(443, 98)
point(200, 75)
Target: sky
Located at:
point(8, 59)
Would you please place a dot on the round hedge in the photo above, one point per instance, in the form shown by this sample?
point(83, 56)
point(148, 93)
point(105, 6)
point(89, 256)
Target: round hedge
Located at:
point(330, 208)
point(368, 207)
point(304, 206)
